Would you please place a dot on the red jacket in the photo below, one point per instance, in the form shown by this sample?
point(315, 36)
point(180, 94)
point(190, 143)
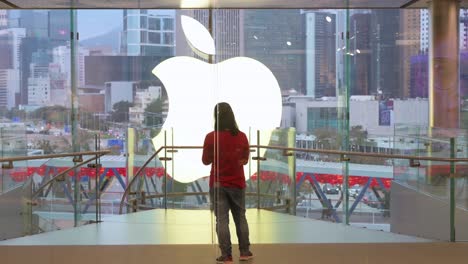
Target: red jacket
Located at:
point(227, 155)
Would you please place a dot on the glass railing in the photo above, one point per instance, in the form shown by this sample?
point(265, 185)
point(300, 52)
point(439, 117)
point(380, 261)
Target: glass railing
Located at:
point(52, 192)
point(13, 143)
point(309, 182)
point(444, 182)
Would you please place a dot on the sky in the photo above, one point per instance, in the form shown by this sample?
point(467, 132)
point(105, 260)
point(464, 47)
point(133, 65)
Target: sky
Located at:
point(93, 23)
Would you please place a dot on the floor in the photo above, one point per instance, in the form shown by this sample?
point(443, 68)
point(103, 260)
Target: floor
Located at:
point(185, 236)
point(182, 227)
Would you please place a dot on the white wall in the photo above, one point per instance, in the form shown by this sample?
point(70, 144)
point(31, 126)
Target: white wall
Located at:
point(362, 112)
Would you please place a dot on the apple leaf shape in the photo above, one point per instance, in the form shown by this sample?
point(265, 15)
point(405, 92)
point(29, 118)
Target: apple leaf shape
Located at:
point(198, 37)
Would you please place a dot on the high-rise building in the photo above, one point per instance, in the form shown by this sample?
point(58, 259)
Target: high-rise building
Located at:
point(409, 45)
point(227, 30)
point(10, 43)
point(424, 13)
point(6, 52)
point(9, 85)
point(102, 69)
point(419, 71)
point(58, 26)
point(277, 39)
point(385, 62)
point(28, 46)
point(14, 36)
point(44, 30)
point(424, 31)
point(359, 47)
point(3, 18)
point(419, 67)
point(463, 29)
point(39, 93)
point(62, 55)
point(320, 54)
point(148, 32)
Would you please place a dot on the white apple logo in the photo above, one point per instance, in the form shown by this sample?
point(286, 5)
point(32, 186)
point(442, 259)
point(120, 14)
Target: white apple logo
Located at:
point(194, 87)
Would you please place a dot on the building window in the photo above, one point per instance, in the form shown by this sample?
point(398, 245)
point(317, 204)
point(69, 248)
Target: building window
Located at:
point(143, 22)
point(168, 24)
point(154, 38)
point(154, 23)
point(168, 38)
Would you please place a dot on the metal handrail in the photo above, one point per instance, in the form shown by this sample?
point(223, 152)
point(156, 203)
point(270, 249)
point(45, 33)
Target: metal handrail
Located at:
point(51, 156)
point(285, 149)
point(341, 152)
point(366, 154)
point(98, 154)
point(127, 190)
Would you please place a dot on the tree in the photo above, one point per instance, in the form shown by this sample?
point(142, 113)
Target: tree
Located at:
point(45, 146)
point(51, 114)
point(327, 138)
point(120, 111)
point(153, 113)
point(357, 136)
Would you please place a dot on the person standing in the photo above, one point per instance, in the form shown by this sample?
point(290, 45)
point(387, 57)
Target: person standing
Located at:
point(227, 150)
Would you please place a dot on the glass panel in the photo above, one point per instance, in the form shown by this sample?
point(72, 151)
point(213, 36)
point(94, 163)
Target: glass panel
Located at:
point(154, 37)
point(53, 205)
point(276, 177)
point(154, 23)
point(168, 24)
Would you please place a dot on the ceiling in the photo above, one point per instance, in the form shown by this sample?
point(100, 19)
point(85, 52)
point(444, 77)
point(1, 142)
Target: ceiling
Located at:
point(248, 4)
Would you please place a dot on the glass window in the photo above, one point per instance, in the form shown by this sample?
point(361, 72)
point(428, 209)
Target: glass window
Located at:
point(143, 22)
point(144, 36)
point(168, 24)
point(168, 38)
point(154, 38)
point(154, 23)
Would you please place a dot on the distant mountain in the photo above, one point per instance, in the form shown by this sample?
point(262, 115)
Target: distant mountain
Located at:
point(111, 39)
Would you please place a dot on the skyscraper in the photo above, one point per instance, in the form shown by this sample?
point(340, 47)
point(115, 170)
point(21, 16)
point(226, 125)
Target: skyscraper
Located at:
point(3, 18)
point(227, 32)
point(320, 54)
point(44, 30)
point(277, 39)
point(409, 45)
point(424, 14)
point(359, 46)
point(385, 25)
point(148, 33)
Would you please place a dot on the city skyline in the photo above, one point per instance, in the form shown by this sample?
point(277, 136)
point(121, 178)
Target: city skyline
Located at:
point(297, 45)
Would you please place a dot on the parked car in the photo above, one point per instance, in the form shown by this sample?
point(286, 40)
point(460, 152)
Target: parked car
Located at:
point(371, 200)
point(330, 189)
point(355, 190)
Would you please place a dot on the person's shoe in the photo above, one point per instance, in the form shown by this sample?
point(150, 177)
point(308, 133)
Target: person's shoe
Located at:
point(224, 260)
point(246, 256)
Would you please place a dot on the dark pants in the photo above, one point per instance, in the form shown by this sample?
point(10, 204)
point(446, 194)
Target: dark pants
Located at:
point(224, 199)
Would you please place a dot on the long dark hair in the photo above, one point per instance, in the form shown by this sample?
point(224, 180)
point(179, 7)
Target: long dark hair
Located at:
point(225, 119)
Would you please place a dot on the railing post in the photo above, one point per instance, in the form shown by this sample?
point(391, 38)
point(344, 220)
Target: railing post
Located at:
point(96, 181)
point(165, 171)
point(258, 169)
point(291, 133)
point(452, 190)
